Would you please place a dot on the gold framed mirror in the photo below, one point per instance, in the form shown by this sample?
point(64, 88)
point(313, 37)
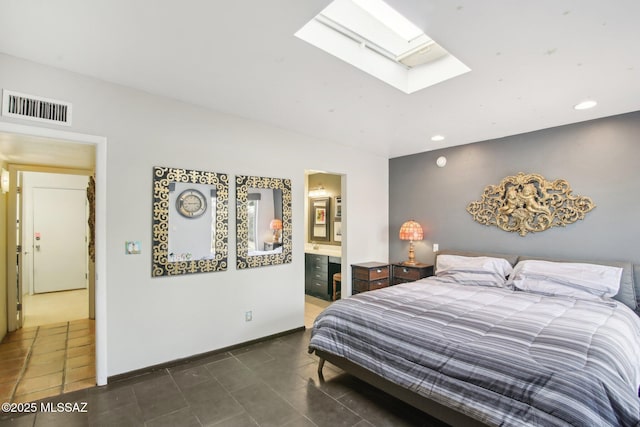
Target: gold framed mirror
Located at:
point(263, 221)
point(190, 221)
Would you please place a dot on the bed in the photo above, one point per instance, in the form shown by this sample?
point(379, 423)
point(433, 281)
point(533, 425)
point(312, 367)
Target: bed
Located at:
point(497, 340)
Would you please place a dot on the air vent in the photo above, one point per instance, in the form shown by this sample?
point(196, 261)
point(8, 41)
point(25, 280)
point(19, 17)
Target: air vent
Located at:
point(37, 108)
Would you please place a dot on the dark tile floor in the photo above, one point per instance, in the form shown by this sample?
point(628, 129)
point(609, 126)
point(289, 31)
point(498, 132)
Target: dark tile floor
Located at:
point(272, 383)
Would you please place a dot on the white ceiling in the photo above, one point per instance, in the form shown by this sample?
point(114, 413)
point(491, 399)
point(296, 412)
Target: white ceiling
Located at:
point(530, 61)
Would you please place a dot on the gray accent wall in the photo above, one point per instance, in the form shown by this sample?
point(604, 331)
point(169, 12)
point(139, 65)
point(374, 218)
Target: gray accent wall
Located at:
point(599, 158)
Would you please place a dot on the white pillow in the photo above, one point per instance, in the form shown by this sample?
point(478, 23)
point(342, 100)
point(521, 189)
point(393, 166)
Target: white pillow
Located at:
point(577, 280)
point(474, 270)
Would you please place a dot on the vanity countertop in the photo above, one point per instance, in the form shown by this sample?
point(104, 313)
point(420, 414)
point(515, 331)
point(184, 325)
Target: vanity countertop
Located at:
point(328, 250)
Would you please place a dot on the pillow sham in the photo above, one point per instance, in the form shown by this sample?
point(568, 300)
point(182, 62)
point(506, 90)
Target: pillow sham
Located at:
point(479, 271)
point(577, 280)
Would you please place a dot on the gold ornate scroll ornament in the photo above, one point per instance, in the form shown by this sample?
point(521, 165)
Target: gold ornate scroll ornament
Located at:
point(529, 203)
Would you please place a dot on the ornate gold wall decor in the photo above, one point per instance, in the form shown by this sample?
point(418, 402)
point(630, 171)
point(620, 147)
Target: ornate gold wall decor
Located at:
point(166, 183)
point(245, 256)
point(527, 203)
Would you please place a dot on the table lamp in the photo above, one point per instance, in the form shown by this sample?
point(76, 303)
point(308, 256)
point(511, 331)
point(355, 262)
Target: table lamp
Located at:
point(276, 226)
point(411, 231)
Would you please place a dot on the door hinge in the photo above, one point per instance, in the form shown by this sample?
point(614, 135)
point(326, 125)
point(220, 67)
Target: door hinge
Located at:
point(18, 190)
point(19, 306)
point(19, 248)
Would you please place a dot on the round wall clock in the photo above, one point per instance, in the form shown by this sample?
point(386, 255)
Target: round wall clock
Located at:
point(191, 203)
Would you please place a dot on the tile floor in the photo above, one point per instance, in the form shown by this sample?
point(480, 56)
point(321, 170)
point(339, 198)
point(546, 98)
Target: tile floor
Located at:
point(312, 307)
point(55, 307)
point(271, 383)
point(43, 361)
point(27, 375)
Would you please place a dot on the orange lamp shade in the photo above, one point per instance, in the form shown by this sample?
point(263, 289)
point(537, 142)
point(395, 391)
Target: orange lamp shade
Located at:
point(276, 224)
point(411, 230)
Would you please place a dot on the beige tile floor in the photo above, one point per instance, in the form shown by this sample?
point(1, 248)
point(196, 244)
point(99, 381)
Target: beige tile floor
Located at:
point(53, 353)
point(55, 307)
point(312, 307)
point(44, 361)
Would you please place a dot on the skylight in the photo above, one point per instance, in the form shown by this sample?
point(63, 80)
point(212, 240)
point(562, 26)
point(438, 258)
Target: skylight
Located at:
point(375, 38)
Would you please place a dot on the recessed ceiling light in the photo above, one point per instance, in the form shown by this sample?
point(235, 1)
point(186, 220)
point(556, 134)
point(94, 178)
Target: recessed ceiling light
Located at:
point(585, 105)
point(437, 138)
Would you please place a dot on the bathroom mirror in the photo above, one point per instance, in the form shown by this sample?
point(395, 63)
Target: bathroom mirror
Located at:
point(319, 211)
point(190, 221)
point(263, 221)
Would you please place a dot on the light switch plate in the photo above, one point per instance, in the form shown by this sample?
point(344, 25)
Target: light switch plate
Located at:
point(132, 247)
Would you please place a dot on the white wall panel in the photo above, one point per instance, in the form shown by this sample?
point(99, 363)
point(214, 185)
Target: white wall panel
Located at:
point(154, 320)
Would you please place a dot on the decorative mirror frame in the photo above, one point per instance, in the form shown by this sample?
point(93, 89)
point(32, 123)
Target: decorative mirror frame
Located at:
point(162, 178)
point(243, 184)
point(319, 218)
point(528, 203)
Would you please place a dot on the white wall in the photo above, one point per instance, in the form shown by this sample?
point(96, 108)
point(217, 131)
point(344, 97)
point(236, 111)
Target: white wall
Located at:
point(154, 320)
point(3, 259)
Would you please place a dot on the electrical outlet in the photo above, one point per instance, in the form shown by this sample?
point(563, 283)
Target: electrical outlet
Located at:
point(248, 316)
point(436, 247)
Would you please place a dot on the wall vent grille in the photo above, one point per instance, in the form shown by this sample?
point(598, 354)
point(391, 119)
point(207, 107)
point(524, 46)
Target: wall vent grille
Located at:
point(37, 108)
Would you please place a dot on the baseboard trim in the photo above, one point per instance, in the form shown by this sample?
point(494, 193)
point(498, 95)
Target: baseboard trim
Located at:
point(195, 357)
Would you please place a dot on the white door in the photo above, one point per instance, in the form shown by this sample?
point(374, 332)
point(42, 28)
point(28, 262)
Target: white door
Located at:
point(59, 241)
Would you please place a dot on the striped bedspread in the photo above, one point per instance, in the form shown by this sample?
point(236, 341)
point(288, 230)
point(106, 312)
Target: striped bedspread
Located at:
point(503, 357)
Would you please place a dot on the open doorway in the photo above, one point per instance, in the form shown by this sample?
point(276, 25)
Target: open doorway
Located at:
point(325, 217)
point(55, 236)
point(32, 149)
point(53, 327)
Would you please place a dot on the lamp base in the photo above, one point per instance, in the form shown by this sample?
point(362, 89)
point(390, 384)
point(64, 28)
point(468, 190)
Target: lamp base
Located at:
point(412, 255)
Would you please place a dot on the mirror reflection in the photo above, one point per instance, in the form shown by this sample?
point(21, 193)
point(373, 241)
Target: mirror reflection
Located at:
point(192, 225)
point(264, 221)
point(263, 210)
point(190, 214)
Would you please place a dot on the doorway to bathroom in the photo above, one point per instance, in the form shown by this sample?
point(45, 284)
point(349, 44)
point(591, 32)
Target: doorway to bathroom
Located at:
point(325, 218)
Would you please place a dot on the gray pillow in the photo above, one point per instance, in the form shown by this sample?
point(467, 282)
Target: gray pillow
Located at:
point(513, 259)
point(626, 294)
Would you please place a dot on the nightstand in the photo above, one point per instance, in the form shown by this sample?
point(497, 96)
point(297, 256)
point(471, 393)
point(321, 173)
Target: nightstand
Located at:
point(369, 276)
point(403, 273)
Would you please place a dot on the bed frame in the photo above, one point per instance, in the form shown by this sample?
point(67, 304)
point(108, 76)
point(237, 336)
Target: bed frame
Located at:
point(432, 408)
point(630, 285)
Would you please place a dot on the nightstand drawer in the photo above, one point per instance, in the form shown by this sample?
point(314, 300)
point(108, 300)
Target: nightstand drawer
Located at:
point(365, 285)
point(371, 273)
point(378, 284)
point(406, 273)
point(368, 276)
point(402, 273)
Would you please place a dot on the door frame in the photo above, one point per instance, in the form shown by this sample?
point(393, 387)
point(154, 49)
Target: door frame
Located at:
point(100, 144)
